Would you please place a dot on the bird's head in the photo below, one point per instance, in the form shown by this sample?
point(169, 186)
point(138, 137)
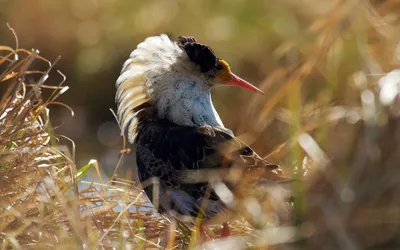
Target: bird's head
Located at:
point(176, 78)
point(215, 71)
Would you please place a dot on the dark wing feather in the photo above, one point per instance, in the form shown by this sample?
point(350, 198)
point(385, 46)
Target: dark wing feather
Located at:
point(170, 152)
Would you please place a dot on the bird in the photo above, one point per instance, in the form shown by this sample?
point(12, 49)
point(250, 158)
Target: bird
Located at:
point(190, 165)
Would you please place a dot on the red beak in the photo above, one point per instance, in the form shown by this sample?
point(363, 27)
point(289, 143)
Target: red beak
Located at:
point(238, 82)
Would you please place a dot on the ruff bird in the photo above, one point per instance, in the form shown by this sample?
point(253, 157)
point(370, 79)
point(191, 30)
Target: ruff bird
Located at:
point(198, 166)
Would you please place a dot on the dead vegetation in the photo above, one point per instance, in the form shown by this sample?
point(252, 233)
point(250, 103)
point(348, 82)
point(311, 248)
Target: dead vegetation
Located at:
point(43, 203)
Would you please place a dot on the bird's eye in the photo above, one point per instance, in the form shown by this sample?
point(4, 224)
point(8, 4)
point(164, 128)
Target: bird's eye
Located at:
point(219, 66)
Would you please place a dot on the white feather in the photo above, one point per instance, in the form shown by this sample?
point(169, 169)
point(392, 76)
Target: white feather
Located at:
point(160, 72)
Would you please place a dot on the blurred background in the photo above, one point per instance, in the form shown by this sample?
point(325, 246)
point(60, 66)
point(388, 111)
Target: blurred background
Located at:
point(95, 37)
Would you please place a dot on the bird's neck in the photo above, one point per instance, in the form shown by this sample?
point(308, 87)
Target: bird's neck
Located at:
point(188, 104)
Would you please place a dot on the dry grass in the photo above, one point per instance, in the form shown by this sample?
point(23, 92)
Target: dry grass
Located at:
point(342, 145)
point(43, 203)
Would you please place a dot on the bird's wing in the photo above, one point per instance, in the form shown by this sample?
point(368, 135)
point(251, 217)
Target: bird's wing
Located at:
point(187, 159)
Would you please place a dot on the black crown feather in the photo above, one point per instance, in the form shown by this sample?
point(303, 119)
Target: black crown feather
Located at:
point(198, 53)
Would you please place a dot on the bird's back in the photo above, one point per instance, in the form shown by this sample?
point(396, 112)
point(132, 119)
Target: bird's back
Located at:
point(186, 164)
